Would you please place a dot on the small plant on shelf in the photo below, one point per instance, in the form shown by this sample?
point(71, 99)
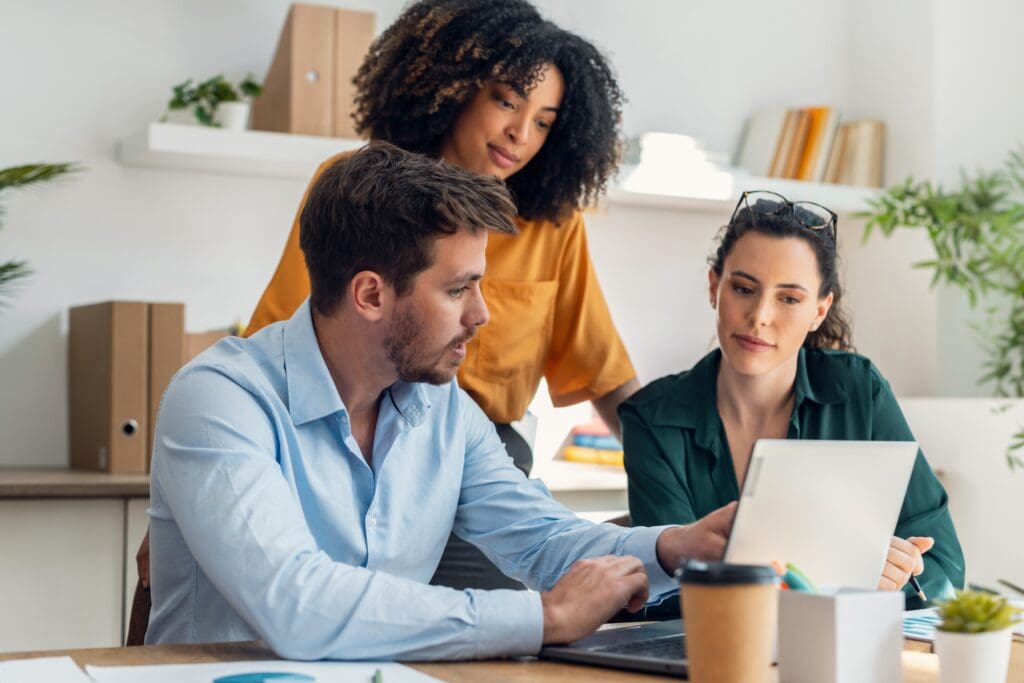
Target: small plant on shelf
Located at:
point(205, 97)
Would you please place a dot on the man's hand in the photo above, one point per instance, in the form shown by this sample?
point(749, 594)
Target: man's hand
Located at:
point(905, 558)
point(142, 561)
point(589, 594)
point(705, 539)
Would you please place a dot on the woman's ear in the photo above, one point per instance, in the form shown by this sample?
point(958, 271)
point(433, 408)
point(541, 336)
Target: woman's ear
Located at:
point(824, 305)
point(713, 287)
point(370, 295)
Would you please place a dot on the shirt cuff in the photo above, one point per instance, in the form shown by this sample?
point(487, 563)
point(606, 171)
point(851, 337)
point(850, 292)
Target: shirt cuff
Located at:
point(511, 623)
point(643, 543)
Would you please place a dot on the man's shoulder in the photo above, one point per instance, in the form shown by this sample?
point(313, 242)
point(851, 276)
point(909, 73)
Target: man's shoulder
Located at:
point(254, 362)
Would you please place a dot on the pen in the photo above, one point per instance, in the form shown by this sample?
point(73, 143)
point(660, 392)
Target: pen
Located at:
point(917, 588)
point(1011, 585)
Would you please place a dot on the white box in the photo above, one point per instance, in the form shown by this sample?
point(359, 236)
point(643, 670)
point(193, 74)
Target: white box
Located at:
point(847, 637)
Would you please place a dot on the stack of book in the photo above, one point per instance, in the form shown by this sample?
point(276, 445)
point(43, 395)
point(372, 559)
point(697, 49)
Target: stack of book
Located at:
point(810, 143)
point(593, 443)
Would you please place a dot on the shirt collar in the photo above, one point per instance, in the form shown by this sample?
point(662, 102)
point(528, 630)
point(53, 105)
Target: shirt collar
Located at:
point(820, 380)
point(311, 391)
point(692, 404)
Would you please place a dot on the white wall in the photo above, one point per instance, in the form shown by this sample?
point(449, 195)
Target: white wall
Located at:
point(966, 440)
point(889, 75)
point(81, 76)
point(978, 108)
point(77, 78)
point(702, 67)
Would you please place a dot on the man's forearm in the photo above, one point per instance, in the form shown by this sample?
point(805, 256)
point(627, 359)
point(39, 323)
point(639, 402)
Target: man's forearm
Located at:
point(607, 406)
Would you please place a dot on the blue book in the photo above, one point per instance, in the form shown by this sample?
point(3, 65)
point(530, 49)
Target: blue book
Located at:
point(605, 443)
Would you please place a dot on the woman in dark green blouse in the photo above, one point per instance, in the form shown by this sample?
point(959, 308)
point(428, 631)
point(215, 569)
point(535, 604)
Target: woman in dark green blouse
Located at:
point(782, 371)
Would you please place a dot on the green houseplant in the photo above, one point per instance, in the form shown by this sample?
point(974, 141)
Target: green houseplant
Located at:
point(22, 176)
point(977, 233)
point(206, 97)
point(974, 637)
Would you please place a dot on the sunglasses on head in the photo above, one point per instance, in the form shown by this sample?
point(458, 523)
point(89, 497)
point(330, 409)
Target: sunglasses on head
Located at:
point(810, 215)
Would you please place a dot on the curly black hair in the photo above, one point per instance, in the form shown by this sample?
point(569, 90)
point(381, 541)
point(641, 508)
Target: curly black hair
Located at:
point(421, 71)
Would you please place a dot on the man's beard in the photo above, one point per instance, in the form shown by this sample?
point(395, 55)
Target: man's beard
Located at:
point(413, 363)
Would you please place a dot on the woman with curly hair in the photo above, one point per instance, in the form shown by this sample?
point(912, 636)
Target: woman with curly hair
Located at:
point(494, 88)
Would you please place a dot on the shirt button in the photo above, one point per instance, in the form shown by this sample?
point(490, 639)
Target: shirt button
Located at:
point(371, 521)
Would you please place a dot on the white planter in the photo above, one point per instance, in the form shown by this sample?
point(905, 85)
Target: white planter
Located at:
point(973, 657)
point(181, 117)
point(232, 115)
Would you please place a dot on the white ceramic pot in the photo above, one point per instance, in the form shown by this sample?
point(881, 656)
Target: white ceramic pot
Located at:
point(232, 115)
point(973, 657)
point(181, 117)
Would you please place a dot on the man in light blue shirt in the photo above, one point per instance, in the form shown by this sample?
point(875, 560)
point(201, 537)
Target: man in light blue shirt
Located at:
point(305, 480)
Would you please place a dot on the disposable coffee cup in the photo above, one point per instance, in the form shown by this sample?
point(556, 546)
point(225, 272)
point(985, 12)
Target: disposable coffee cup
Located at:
point(730, 615)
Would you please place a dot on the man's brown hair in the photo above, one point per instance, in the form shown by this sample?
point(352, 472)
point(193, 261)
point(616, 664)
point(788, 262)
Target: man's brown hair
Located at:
point(382, 209)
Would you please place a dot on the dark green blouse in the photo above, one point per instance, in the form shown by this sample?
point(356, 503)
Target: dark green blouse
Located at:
point(680, 468)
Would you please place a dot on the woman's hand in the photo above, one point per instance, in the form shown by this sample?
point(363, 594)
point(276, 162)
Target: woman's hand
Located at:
point(905, 558)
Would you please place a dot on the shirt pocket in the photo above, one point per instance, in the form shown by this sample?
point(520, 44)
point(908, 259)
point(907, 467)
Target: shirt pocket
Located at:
point(516, 338)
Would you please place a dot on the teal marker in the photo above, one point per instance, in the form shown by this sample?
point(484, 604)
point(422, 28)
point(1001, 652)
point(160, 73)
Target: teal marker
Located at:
point(797, 580)
point(378, 677)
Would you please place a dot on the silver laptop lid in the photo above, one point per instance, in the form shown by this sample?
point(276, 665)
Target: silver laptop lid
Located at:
point(829, 507)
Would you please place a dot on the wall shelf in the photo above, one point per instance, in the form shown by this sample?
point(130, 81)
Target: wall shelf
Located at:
point(249, 152)
point(717, 191)
point(283, 155)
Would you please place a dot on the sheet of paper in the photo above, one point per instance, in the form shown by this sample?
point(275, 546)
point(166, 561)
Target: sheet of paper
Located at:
point(42, 670)
point(323, 672)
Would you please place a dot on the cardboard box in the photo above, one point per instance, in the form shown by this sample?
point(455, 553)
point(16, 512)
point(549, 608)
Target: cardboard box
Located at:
point(308, 88)
point(108, 348)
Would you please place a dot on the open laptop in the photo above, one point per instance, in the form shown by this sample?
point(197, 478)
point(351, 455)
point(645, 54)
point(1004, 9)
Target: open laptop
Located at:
point(654, 647)
point(830, 507)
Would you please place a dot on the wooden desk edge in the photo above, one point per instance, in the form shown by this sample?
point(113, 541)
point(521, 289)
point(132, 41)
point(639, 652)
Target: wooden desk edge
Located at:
point(22, 483)
point(919, 665)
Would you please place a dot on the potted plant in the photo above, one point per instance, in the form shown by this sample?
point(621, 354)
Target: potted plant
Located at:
point(973, 639)
point(977, 232)
point(21, 176)
point(215, 102)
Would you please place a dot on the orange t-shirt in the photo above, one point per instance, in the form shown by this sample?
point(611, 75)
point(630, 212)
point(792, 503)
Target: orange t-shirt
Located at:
point(548, 318)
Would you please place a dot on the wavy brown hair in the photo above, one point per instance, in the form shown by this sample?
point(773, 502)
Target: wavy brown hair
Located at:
point(835, 331)
point(383, 209)
point(427, 65)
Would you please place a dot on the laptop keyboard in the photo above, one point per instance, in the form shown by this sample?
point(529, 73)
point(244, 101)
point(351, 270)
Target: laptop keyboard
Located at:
point(669, 647)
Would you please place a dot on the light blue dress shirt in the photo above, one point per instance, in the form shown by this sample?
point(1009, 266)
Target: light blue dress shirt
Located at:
point(267, 522)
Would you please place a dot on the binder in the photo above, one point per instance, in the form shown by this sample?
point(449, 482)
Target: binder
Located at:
point(166, 356)
point(308, 88)
point(108, 379)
